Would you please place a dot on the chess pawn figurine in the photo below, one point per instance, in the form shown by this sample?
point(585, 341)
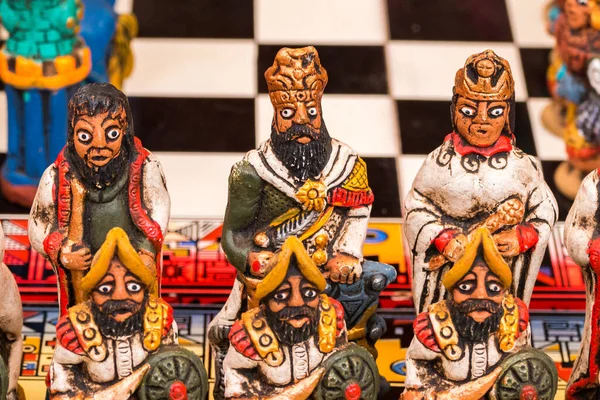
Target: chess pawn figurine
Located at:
point(302, 183)
point(478, 177)
point(122, 339)
point(42, 63)
point(11, 325)
point(103, 178)
point(470, 345)
point(582, 136)
point(581, 238)
point(293, 343)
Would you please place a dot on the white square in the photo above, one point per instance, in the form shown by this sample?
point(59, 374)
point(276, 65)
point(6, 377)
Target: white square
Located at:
point(193, 68)
point(192, 197)
point(425, 70)
point(313, 22)
point(367, 123)
point(528, 19)
point(549, 146)
point(408, 167)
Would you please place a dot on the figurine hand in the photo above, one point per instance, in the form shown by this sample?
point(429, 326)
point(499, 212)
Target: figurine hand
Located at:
point(261, 262)
point(507, 242)
point(219, 334)
point(344, 268)
point(455, 248)
point(78, 260)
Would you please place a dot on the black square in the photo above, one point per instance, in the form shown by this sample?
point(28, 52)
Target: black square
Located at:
point(228, 19)
point(464, 20)
point(535, 63)
point(351, 69)
point(523, 132)
point(194, 124)
point(383, 180)
point(423, 125)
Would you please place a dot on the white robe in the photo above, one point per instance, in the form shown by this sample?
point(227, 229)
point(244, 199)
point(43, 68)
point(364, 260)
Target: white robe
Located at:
point(457, 192)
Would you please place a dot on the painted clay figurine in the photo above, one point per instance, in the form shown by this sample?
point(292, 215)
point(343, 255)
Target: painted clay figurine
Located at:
point(478, 177)
point(288, 347)
point(473, 344)
point(103, 178)
point(581, 235)
point(42, 63)
point(11, 325)
point(302, 183)
point(122, 339)
point(577, 33)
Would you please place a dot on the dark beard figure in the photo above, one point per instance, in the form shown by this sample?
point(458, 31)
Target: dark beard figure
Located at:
point(100, 177)
point(467, 327)
point(304, 161)
point(286, 333)
point(111, 328)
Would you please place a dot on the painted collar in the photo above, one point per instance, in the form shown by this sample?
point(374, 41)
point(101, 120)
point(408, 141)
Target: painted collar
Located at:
point(502, 145)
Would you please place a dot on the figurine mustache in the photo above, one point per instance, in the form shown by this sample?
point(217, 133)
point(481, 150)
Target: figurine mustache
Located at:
point(287, 333)
point(471, 305)
point(114, 307)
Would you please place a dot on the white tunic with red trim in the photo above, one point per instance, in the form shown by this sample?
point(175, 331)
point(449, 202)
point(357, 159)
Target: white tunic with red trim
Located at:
point(459, 186)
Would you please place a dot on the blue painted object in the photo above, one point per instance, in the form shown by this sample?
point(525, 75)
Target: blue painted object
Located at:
point(97, 29)
point(571, 88)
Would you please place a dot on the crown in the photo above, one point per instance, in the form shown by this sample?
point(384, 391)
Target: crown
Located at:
point(486, 77)
point(296, 75)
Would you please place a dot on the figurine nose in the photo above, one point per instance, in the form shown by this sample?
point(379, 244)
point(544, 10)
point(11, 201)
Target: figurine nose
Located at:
point(301, 116)
point(481, 116)
point(296, 299)
point(99, 139)
point(479, 292)
point(120, 293)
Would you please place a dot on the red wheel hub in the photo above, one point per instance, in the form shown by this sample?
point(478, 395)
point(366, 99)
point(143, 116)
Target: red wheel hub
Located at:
point(528, 393)
point(352, 392)
point(178, 391)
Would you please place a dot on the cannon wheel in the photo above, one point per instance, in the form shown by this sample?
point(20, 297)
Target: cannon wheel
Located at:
point(3, 379)
point(171, 367)
point(350, 374)
point(528, 374)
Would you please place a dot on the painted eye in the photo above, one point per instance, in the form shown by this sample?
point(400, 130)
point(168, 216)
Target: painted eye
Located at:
point(281, 296)
point(312, 111)
point(465, 287)
point(287, 113)
point(113, 134)
point(133, 287)
point(467, 111)
point(105, 289)
point(582, 2)
point(493, 287)
point(84, 136)
point(496, 112)
point(309, 293)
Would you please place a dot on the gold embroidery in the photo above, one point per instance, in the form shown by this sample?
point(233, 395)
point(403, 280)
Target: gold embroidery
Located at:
point(155, 321)
point(327, 324)
point(509, 324)
point(262, 337)
point(87, 332)
point(357, 180)
point(444, 330)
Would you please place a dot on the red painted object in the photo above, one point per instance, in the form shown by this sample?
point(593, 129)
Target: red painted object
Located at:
point(528, 393)
point(352, 392)
point(178, 391)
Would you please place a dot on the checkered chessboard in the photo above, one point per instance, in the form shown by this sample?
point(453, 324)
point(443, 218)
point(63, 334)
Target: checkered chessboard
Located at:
point(200, 102)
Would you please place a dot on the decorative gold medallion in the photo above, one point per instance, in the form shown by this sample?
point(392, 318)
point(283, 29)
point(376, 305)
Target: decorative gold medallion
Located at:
point(312, 195)
point(262, 337)
point(327, 325)
point(509, 324)
point(87, 332)
point(444, 330)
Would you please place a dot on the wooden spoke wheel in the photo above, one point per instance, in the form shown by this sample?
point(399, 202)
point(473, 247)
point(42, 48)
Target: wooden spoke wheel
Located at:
point(527, 375)
point(350, 374)
point(175, 372)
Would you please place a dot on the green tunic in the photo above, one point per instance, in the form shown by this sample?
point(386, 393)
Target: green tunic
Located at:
point(109, 208)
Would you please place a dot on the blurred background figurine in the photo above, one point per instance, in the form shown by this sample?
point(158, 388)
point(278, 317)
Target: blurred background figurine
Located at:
point(122, 339)
point(104, 178)
point(51, 49)
point(301, 182)
point(292, 345)
point(582, 241)
point(475, 342)
point(478, 177)
point(11, 325)
point(576, 26)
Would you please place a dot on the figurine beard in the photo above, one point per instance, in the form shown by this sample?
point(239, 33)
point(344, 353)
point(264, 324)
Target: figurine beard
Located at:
point(100, 177)
point(470, 329)
point(288, 334)
point(110, 327)
point(302, 160)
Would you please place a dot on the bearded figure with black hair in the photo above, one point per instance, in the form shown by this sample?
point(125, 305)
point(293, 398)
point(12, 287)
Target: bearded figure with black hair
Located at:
point(103, 178)
point(103, 343)
point(277, 349)
point(478, 177)
point(460, 343)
